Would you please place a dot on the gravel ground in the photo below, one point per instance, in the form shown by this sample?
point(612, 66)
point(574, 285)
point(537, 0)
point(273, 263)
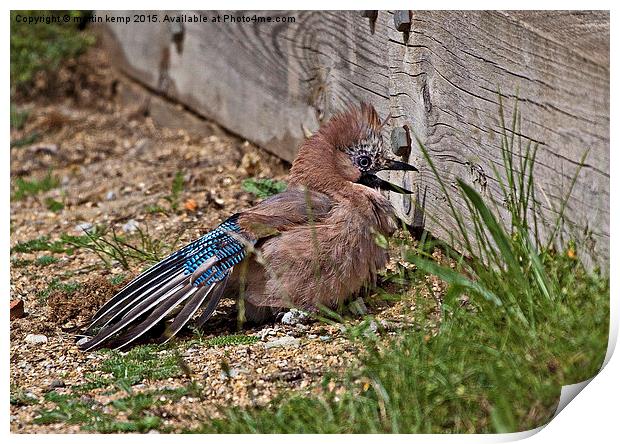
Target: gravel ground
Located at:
point(113, 163)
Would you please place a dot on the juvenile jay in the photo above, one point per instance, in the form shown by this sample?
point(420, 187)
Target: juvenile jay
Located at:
point(310, 246)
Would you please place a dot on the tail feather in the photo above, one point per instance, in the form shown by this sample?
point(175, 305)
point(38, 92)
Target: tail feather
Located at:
point(189, 309)
point(169, 304)
point(144, 307)
point(188, 276)
point(210, 308)
point(124, 308)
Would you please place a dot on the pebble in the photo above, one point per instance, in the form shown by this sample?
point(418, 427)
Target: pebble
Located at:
point(36, 339)
point(371, 330)
point(130, 226)
point(325, 338)
point(358, 307)
point(84, 340)
point(294, 316)
point(57, 383)
point(84, 226)
point(286, 341)
point(111, 195)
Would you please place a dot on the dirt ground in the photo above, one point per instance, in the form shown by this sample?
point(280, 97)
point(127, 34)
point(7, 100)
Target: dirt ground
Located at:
point(113, 163)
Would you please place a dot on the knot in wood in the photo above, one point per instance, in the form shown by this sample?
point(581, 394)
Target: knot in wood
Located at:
point(402, 20)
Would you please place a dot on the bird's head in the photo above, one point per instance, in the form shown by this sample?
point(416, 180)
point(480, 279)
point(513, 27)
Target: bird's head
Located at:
point(348, 147)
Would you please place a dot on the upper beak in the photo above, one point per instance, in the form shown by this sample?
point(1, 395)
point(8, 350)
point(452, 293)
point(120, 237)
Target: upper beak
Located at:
point(395, 165)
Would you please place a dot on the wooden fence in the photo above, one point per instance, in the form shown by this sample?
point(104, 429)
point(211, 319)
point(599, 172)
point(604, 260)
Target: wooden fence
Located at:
point(437, 73)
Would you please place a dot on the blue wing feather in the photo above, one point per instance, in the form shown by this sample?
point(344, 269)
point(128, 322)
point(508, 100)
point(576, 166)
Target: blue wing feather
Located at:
point(219, 243)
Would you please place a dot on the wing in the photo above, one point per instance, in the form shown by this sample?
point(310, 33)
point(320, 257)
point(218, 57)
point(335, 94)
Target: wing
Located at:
point(196, 275)
point(190, 276)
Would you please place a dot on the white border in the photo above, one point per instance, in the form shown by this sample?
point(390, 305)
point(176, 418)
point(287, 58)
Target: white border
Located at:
point(592, 416)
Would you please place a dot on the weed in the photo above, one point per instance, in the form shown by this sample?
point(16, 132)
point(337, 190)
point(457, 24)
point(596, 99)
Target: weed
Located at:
point(226, 340)
point(53, 205)
point(41, 243)
point(45, 260)
point(117, 280)
point(154, 209)
point(178, 184)
point(142, 362)
point(136, 409)
point(18, 118)
point(42, 48)
point(19, 396)
point(56, 285)
point(262, 188)
point(32, 187)
point(111, 247)
point(28, 139)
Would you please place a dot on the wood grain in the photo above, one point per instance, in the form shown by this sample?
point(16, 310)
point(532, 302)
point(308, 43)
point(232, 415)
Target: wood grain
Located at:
point(269, 81)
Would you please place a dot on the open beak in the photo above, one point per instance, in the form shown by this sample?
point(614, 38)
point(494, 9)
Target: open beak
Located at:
point(371, 180)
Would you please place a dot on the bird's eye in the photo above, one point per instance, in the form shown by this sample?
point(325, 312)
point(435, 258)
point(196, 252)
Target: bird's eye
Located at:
point(363, 162)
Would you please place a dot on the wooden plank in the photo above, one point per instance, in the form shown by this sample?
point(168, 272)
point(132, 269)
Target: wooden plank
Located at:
point(268, 81)
point(447, 77)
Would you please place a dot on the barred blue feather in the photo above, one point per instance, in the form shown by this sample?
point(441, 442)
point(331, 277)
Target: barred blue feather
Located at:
point(155, 294)
point(219, 243)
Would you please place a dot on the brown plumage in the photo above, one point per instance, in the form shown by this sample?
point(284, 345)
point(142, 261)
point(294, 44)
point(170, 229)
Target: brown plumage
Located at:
point(312, 245)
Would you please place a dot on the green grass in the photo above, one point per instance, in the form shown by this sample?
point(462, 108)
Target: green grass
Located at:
point(139, 409)
point(117, 280)
point(121, 371)
point(45, 260)
point(18, 118)
point(42, 48)
point(24, 187)
point(112, 247)
point(145, 362)
point(178, 185)
point(28, 139)
point(19, 396)
point(54, 205)
point(223, 341)
point(109, 246)
point(57, 285)
point(262, 188)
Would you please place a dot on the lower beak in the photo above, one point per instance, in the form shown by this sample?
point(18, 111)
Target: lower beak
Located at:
point(372, 181)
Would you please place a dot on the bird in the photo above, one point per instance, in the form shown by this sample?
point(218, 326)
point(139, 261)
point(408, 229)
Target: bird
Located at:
point(311, 246)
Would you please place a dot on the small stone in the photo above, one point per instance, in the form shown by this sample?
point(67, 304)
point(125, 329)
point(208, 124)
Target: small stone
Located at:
point(294, 316)
point(215, 199)
point(190, 205)
point(83, 340)
point(130, 226)
point(266, 332)
point(250, 163)
point(110, 195)
point(84, 227)
point(286, 341)
point(17, 309)
point(36, 339)
point(57, 383)
point(358, 307)
point(325, 338)
point(371, 330)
